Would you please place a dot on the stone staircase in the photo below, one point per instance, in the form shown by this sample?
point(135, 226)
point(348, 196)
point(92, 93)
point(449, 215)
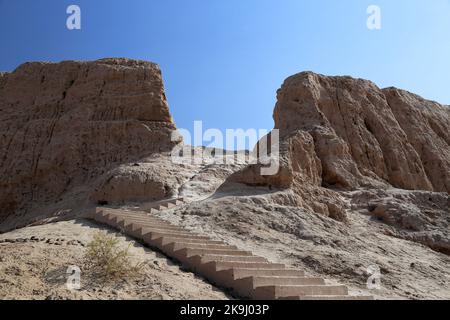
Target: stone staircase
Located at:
point(245, 275)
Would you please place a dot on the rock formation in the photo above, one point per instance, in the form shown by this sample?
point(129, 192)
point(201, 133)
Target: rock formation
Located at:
point(343, 134)
point(63, 125)
point(365, 136)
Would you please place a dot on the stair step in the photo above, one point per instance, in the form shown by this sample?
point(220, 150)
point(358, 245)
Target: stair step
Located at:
point(247, 287)
point(230, 258)
point(109, 220)
point(150, 225)
point(169, 205)
point(189, 252)
point(157, 239)
point(154, 226)
point(221, 272)
point(224, 265)
point(141, 218)
point(162, 242)
point(284, 281)
point(126, 221)
point(139, 231)
point(277, 292)
point(120, 221)
point(244, 273)
point(153, 208)
point(157, 205)
point(155, 234)
point(101, 217)
point(175, 246)
point(120, 213)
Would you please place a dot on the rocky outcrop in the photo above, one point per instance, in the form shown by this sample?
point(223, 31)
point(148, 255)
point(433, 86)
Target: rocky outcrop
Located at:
point(419, 216)
point(340, 133)
point(365, 136)
point(63, 125)
point(346, 133)
point(150, 179)
point(300, 170)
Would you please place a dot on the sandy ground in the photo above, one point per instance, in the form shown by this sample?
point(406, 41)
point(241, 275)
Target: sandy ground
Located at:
point(34, 262)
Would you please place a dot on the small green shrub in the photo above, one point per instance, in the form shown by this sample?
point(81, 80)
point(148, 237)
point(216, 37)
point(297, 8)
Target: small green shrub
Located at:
point(107, 260)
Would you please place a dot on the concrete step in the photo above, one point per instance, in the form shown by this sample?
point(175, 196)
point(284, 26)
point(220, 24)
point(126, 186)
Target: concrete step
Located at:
point(169, 205)
point(138, 231)
point(152, 225)
point(140, 217)
point(125, 223)
point(162, 242)
point(195, 257)
point(226, 265)
point(231, 258)
point(143, 220)
point(277, 292)
point(111, 215)
point(101, 217)
point(220, 272)
point(158, 239)
point(175, 246)
point(246, 287)
point(189, 252)
point(108, 220)
point(237, 273)
point(201, 263)
point(246, 275)
point(125, 213)
point(155, 234)
point(131, 214)
point(120, 221)
point(149, 206)
point(149, 225)
point(283, 281)
point(159, 233)
point(209, 265)
point(227, 278)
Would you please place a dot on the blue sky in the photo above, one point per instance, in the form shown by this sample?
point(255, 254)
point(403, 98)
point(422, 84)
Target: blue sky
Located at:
point(223, 60)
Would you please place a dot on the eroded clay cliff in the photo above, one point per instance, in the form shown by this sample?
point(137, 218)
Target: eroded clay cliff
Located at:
point(64, 124)
point(365, 136)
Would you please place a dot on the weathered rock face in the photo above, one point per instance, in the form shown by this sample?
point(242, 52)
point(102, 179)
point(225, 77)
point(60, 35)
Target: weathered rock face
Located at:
point(419, 216)
point(340, 133)
point(300, 170)
point(365, 136)
point(62, 125)
point(151, 179)
point(427, 126)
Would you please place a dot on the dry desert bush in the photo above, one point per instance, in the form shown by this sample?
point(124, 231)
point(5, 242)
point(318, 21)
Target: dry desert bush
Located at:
point(108, 261)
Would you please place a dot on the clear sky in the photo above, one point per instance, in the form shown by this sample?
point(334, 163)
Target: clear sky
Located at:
point(223, 60)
